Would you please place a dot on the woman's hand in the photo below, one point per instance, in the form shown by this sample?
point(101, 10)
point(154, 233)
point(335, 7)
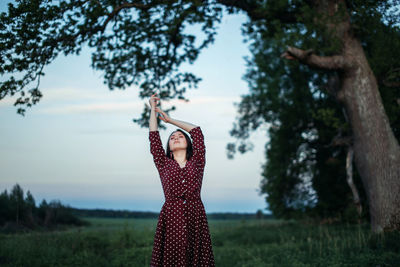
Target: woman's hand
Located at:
point(164, 116)
point(153, 101)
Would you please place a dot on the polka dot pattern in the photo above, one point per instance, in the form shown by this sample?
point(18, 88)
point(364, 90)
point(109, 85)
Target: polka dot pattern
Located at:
point(182, 235)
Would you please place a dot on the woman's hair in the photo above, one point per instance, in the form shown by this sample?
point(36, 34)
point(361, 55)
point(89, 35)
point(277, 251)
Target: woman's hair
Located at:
point(189, 148)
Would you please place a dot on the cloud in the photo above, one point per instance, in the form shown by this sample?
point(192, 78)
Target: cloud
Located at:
point(52, 96)
point(129, 131)
point(204, 100)
point(117, 103)
point(7, 101)
point(108, 107)
point(72, 100)
point(74, 94)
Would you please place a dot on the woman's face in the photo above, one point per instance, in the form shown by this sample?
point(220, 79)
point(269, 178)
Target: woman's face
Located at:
point(177, 141)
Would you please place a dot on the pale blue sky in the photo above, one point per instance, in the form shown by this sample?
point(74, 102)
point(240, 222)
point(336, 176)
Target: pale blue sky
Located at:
point(79, 144)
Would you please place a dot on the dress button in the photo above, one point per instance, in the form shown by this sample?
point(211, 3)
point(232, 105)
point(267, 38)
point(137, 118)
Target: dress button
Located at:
point(184, 202)
point(183, 180)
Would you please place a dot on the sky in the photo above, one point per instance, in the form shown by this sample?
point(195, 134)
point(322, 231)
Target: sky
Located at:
point(78, 144)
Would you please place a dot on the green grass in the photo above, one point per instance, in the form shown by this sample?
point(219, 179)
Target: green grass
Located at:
point(128, 242)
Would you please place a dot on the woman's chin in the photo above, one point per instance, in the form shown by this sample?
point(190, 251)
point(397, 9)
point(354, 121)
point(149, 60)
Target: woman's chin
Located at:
point(176, 148)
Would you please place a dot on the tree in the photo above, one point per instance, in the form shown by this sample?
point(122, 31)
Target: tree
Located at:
point(259, 214)
point(350, 82)
point(23, 211)
point(17, 202)
point(30, 208)
point(143, 43)
point(5, 209)
point(304, 169)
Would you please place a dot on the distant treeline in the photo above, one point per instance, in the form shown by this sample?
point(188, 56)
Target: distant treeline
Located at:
point(19, 213)
point(106, 213)
point(241, 216)
point(153, 215)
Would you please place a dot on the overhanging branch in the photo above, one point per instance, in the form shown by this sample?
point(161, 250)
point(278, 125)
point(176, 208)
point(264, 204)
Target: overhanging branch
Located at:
point(117, 9)
point(257, 12)
point(308, 57)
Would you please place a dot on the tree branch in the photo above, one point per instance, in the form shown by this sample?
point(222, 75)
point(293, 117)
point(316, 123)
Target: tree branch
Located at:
point(308, 57)
point(350, 182)
point(392, 78)
point(257, 12)
point(173, 36)
point(391, 84)
point(117, 9)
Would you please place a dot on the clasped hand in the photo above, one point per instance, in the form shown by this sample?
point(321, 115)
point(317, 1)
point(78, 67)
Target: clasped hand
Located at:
point(154, 100)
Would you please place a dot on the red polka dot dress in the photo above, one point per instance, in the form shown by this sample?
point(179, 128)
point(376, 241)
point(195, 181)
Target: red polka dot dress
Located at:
point(182, 235)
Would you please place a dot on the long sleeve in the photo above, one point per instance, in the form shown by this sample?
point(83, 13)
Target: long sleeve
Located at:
point(199, 149)
point(156, 149)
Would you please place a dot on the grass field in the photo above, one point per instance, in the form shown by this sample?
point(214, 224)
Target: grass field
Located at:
point(128, 242)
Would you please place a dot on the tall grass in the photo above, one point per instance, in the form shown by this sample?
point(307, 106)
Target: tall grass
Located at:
point(294, 244)
point(128, 242)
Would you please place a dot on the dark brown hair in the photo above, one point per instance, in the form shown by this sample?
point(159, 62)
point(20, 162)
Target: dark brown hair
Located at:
point(189, 148)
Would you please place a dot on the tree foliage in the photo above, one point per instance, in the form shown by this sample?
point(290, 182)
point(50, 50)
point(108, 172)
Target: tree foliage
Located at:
point(19, 213)
point(305, 166)
point(139, 43)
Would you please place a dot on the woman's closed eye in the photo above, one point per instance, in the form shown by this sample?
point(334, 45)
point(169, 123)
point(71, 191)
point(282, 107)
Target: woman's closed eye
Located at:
point(174, 137)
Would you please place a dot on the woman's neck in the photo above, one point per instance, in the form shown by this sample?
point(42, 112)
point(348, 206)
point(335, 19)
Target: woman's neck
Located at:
point(180, 155)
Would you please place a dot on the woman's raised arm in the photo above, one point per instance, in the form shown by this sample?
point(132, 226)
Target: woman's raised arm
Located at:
point(153, 126)
point(181, 124)
point(156, 147)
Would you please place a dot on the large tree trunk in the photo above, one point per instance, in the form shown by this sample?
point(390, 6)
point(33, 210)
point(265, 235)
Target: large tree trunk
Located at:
point(376, 150)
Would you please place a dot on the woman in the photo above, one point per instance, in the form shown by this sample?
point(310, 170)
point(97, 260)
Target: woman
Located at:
point(182, 235)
